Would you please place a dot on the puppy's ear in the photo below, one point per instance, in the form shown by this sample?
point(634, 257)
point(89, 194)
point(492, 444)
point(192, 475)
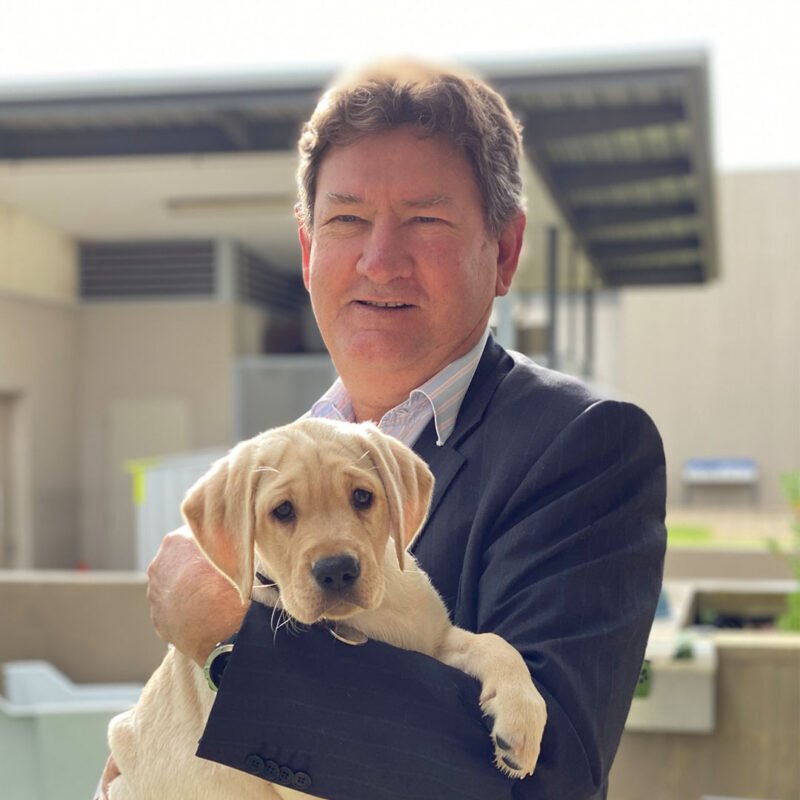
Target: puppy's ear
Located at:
point(408, 484)
point(219, 510)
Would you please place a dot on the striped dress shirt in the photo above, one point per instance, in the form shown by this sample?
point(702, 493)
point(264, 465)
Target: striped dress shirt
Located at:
point(439, 398)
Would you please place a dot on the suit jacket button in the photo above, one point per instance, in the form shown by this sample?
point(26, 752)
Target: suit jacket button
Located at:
point(271, 770)
point(286, 776)
point(254, 763)
point(302, 780)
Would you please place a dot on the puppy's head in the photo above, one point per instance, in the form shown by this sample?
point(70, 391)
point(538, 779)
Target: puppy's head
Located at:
point(318, 501)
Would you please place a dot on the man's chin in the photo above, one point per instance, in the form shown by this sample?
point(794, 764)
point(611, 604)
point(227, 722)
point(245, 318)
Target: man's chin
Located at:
point(380, 351)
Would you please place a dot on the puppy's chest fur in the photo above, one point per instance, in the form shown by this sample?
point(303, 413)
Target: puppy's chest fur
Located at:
point(411, 616)
point(153, 743)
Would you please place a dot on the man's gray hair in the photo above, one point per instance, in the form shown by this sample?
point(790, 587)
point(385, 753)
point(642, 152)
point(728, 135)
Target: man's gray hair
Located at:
point(436, 102)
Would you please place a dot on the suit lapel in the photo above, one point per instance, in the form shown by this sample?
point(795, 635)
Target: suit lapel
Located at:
point(447, 461)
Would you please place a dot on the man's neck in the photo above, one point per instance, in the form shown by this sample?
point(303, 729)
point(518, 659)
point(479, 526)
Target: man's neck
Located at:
point(373, 393)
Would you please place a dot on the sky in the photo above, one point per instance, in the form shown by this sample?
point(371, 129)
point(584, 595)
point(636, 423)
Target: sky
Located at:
point(755, 59)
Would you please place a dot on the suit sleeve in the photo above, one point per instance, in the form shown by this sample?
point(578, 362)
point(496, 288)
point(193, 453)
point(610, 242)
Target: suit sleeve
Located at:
point(572, 578)
point(570, 570)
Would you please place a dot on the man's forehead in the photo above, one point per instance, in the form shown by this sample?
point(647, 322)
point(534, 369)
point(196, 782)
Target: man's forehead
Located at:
point(417, 173)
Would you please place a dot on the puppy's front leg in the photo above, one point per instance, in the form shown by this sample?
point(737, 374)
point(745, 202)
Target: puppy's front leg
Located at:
point(507, 695)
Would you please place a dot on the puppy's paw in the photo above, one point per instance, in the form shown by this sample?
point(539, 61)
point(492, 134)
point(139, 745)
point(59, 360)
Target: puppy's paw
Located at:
point(518, 714)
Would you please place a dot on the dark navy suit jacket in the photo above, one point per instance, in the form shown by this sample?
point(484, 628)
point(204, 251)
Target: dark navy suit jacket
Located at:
point(547, 528)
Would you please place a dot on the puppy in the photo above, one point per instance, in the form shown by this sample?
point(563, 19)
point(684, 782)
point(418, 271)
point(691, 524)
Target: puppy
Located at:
point(326, 509)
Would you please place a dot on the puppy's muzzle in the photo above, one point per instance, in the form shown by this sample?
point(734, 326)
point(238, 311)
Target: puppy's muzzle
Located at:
point(336, 574)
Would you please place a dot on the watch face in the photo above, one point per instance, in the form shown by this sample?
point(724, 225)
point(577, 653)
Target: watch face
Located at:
point(215, 665)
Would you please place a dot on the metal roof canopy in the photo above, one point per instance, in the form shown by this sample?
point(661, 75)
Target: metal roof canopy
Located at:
point(623, 144)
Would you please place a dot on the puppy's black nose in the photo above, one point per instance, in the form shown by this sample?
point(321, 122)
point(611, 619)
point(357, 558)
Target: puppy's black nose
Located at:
point(337, 573)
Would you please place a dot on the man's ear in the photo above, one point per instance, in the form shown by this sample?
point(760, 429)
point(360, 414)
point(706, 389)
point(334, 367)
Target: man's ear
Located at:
point(219, 510)
point(408, 484)
point(509, 246)
point(304, 236)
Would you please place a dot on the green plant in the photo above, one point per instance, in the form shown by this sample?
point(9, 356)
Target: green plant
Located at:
point(683, 535)
point(790, 619)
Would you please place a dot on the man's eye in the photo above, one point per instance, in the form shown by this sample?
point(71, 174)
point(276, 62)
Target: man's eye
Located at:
point(346, 218)
point(284, 512)
point(362, 499)
point(427, 220)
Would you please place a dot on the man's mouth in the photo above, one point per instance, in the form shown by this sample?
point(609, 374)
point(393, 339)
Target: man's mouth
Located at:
point(377, 304)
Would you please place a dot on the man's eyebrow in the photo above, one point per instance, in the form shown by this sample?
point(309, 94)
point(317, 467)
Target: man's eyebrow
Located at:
point(342, 197)
point(429, 202)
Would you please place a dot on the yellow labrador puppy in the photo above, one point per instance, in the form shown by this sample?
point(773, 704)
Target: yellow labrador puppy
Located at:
point(325, 509)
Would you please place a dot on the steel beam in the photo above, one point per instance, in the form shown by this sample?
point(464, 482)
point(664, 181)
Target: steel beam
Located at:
point(591, 176)
point(546, 124)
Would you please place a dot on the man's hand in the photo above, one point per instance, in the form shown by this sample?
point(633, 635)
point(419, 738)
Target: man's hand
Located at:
point(109, 773)
point(192, 605)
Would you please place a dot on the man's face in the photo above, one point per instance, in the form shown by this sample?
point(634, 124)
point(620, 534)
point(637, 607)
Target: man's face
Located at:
point(400, 266)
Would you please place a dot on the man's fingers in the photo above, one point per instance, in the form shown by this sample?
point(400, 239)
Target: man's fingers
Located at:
point(110, 772)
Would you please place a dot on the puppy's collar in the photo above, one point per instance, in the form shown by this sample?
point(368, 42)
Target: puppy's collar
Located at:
point(265, 580)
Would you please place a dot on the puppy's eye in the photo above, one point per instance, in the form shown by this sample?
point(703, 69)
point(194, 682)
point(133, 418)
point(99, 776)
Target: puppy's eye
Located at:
point(284, 512)
point(362, 499)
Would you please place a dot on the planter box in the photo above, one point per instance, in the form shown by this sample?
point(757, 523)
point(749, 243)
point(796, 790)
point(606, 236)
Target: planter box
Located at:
point(53, 731)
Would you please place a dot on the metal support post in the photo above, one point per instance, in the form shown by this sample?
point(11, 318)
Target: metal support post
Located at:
point(552, 296)
point(588, 348)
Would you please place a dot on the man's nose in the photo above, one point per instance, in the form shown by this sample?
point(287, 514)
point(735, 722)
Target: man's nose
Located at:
point(385, 254)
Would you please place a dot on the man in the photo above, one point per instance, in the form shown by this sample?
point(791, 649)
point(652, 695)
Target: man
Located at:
point(547, 520)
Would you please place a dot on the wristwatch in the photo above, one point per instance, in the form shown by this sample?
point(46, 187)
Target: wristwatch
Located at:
point(217, 661)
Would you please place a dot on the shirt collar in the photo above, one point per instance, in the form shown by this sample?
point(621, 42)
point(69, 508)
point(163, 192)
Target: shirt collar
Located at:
point(445, 391)
point(443, 394)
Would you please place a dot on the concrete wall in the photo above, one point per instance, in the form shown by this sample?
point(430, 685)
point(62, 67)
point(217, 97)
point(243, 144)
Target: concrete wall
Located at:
point(35, 260)
point(718, 366)
point(82, 390)
point(95, 628)
point(39, 362)
point(156, 379)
